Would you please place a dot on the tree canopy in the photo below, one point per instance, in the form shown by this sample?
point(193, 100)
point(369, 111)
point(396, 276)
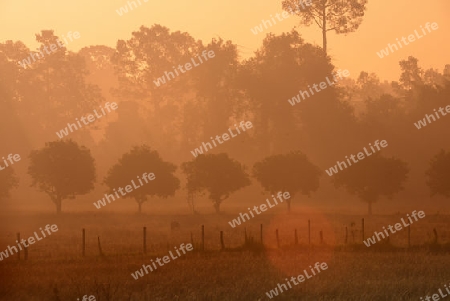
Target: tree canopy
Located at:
point(137, 162)
point(373, 177)
point(63, 170)
point(340, 16)
point(292, 172)
point(217, 174)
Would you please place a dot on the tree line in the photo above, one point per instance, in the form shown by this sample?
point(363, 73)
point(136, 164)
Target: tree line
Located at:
point(174, 118)
point(63, 170)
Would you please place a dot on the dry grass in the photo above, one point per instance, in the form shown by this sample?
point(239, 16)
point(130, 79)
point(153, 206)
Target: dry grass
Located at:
point(56, 270)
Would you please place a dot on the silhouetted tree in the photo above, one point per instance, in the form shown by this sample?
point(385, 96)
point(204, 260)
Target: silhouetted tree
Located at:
point(281, 67)
point(292, 172)
point(63, 170)
point(439, 174)
point(342, 16)
point(128, 130)
point(49, 91)
point(60, 92)
point(373, 177)
point(214, 84)
point(217, 174)
point(150, 54)
point(140, 160)
point(369, 86)
point(412, 74)
point(433, 77)
point(14, 84)
point(101, 70)
point(384, 113)
point(8, 181)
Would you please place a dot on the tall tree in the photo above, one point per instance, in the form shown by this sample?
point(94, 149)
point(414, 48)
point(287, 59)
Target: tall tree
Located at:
point(217, 174)
point(373, 177)
point(384, 113)
point(52, 89)
point(149, 55)
point(439, 174)
point(140, 160)
point(214, 85)
point(412, 74)
point(340, 16)
point(281, 67)
point(13, 83)
point(121, 135)
point(292, 172)
point(63, 170)
point(100, 67)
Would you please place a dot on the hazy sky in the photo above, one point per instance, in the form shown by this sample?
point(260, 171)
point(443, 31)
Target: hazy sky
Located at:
point(98, 23)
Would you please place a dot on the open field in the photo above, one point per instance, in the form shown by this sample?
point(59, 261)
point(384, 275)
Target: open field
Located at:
point(230, 276)
point(56, 270)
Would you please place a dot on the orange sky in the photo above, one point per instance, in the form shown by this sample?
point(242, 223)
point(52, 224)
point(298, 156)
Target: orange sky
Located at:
point(98, 23)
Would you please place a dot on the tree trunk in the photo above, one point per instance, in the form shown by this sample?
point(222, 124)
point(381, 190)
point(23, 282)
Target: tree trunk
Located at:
point(58, 205)
point(324, 30)
point(191, 202)
point(217, 206)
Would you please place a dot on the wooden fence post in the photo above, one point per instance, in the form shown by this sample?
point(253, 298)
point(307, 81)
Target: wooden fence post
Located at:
point(222, 245)
point(18, 249)
point(99, 246)
point(203, 237)
point(296, 237)
point(245, 235)
point(409, 236)
point(346, 235)
point(25, 253)
point(261, 231)
point(309, 232)
point(145, 240)
point(363, 229)
point(83, 242)
point(278, 239)
point(435, 236)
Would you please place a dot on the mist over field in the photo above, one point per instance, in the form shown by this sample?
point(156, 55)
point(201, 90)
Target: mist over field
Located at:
point(294, 150)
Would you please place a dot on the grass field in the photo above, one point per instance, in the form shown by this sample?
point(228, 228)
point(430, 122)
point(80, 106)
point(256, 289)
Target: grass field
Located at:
point(56, 270)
